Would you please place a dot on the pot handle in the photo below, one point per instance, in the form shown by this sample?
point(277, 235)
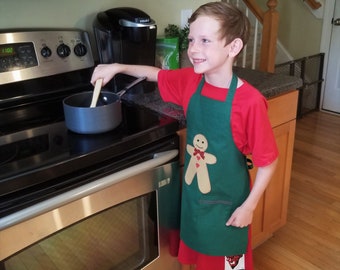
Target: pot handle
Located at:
point(123, 91)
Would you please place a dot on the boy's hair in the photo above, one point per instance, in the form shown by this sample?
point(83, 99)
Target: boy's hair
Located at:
point(234, 23)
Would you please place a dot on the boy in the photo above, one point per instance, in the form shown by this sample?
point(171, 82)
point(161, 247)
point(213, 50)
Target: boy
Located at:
point(226, 120)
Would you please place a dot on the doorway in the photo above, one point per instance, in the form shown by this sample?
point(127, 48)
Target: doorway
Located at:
point(329, 43)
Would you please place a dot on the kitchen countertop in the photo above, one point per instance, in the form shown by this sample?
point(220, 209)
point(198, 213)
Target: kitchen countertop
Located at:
point(269, 84)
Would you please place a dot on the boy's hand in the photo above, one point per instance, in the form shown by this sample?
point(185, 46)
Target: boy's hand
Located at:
point(241, 217)
point(104, 71)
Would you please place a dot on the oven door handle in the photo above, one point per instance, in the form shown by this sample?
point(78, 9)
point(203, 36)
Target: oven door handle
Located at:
point(87, 189)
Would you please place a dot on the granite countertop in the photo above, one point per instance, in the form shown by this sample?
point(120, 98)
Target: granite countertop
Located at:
point(269, 84)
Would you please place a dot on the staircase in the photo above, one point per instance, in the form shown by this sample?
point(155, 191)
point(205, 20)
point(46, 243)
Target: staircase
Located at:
point(264, 52)
point(261, 51)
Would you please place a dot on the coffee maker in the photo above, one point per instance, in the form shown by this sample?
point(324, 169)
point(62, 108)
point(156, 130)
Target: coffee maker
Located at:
point(126, 35)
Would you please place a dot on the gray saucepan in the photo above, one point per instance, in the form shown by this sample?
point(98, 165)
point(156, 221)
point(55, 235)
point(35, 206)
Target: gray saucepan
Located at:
point(106, 116)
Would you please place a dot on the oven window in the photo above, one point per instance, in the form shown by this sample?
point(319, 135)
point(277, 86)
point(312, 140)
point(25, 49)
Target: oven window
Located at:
point(123, 237)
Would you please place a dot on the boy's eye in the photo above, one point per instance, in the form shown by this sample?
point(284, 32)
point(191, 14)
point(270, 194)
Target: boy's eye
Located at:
point(203, 40)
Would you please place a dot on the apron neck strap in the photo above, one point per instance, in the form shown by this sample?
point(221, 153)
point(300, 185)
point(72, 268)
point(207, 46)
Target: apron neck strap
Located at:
point(232, 86)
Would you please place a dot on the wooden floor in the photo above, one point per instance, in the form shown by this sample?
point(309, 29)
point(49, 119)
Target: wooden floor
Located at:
point(311, 238)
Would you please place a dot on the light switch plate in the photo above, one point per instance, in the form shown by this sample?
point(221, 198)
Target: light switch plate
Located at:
point(185, 15)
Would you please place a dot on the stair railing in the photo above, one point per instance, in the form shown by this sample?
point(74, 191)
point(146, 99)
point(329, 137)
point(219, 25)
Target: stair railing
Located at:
point(265, 26)
point(313, 4)
point(269, 37)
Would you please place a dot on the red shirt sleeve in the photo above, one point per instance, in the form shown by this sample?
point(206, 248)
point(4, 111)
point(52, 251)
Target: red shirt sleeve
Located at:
point(177, 86)
point(251, 129)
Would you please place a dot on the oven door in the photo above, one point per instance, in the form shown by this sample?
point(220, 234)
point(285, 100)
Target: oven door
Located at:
point(126, 220)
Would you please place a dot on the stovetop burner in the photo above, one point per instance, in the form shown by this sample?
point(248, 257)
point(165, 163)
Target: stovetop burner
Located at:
point(26, 117)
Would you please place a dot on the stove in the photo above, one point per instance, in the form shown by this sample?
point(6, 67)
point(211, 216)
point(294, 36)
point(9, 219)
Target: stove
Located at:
point(39, 157)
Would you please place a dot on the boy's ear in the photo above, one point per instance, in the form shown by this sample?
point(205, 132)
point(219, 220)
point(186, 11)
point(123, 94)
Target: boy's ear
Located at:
point(235, 47)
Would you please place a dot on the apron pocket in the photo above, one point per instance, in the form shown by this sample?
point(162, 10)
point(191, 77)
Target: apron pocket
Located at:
point(214, 212)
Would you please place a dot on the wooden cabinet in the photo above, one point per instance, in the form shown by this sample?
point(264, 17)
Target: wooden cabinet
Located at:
point(271, 212)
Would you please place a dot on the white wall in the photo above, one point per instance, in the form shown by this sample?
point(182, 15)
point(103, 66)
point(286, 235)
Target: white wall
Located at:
point(299, 31)
point(81, 13)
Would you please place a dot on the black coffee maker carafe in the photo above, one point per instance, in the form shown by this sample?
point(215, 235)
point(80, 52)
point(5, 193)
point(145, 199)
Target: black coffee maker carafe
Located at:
point(126, 35)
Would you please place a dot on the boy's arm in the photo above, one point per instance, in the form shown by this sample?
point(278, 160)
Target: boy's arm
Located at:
point(108, 71)
point(243, 215)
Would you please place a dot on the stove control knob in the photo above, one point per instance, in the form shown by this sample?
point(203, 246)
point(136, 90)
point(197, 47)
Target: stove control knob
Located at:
point(63, 50)
point(46, 52)
point(80, 49)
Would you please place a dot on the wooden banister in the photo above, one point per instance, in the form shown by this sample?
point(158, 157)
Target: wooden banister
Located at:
point(270, 25)
point(255, 9)
point(313, 4)
point(269, 37)
point(270, 22)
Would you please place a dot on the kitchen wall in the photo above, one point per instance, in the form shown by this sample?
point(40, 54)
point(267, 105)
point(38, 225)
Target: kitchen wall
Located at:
point(81, 13)
point(299, 30)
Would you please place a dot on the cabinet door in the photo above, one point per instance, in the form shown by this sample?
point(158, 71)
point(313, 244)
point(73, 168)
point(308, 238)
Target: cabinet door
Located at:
point(276, 195)
point(271, 212)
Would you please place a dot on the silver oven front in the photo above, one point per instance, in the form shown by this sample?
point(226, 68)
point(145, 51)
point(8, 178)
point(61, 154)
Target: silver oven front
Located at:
point(126, 220)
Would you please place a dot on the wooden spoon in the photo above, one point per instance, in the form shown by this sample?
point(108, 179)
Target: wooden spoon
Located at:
point(96, 93)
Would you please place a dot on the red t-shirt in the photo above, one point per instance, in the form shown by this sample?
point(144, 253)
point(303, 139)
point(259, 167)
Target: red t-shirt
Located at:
point(251, 129)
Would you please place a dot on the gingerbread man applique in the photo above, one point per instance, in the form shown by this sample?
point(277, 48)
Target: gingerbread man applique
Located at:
point(198, 163)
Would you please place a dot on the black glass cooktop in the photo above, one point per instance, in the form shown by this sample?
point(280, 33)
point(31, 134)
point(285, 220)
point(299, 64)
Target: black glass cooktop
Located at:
point(48, 153)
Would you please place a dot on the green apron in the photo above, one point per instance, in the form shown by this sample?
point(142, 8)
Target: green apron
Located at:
point(216, 179)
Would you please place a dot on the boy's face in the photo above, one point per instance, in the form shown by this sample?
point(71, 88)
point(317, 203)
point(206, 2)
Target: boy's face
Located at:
point(207, 51)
